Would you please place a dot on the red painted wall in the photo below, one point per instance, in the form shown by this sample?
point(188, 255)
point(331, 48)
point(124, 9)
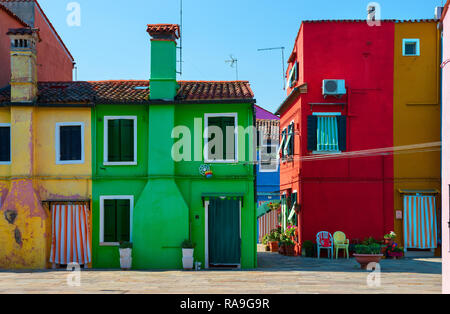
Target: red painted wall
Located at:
point(353, 195)
point(6, 22)
point(54, 62)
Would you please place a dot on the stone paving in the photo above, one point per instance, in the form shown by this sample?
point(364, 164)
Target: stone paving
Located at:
point(276, 274)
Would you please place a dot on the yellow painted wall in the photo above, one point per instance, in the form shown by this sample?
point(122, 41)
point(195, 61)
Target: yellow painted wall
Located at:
point(34, 177)
point(416, 112)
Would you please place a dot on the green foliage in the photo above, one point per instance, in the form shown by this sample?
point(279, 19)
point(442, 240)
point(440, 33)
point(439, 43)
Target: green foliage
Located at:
point(290, 231)
point(275, 235)
point(187, 244)
point(125, 245)
point(308, 245)
point(266, 239)
point(373, 248)
point(370, 241)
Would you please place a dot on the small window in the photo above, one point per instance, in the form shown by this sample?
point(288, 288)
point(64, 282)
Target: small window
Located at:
point(288, 140)
point(70, 143)
point(120, 141)
point(116, 214)
point(293, 75)
point(411, 47)
point(327, 133)
point(5, 143)
point(221, 138)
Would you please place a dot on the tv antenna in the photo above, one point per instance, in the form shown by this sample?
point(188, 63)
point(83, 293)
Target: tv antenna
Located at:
point(282, 62)
point(180, 48)
point(233, 61)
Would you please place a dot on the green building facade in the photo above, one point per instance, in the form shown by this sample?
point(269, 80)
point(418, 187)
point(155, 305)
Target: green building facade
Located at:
point(149, 147)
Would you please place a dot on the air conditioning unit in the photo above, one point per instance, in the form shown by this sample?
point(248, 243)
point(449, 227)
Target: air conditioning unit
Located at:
point(334, 88)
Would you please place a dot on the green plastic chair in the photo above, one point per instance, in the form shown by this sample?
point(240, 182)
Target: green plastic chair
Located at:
point(340, 242)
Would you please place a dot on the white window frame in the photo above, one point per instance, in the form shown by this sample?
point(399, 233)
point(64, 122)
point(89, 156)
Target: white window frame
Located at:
point(10, 143)
point(410, 41)
point(319, 114)
point(206, 137)
point(58, 126)
point(105, 141)
point(102, 217)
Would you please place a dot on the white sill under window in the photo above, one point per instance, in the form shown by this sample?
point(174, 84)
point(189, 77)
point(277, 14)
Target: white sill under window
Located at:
point(326, 152)
point(120, 163)
point(218, 161)
point(109, 244)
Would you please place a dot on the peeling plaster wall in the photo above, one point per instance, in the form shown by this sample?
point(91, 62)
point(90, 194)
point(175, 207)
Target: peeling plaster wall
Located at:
point(33, 177)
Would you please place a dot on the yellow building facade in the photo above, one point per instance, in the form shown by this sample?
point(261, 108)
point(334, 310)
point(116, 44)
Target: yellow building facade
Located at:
point(34, 179)
point(417, 112)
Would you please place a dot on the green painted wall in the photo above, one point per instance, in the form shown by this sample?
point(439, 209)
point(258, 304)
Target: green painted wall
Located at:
point(168, 195)
point(164, 70)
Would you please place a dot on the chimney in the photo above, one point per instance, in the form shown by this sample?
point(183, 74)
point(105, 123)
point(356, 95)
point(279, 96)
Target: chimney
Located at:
point(23, 64)
point(163, 68)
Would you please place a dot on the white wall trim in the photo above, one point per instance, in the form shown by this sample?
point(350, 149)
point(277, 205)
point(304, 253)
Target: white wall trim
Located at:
point(102, 216)
point(10, 143)
point(206, 137)
point(105, 141)
point(58, 126)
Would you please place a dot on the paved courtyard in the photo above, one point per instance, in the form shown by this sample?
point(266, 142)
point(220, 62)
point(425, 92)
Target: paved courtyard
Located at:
point(276, 274)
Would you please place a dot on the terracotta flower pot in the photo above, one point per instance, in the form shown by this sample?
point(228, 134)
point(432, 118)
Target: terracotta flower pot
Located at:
point(273, 246)
point(290, 250)
point(365, 259)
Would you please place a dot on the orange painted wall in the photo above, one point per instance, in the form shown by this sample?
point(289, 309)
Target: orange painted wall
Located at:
point(416, 113)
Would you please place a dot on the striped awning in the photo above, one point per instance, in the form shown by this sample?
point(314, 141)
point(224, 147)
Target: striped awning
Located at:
point(70, 235)
point(419, 222)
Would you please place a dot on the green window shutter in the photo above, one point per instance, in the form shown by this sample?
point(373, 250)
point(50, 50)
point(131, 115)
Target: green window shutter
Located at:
point(70, 142)
point(342, 122)
point(312, 133)
point(126, 140)
point(123, 220)
point(109, 221)
point(214, 121)
point(228, 123)
point(114, 141)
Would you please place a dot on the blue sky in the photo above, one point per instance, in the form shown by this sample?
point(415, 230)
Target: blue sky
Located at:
point(112, 42)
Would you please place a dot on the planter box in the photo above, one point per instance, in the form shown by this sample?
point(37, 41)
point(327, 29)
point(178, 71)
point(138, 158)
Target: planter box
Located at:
point(188, 259)
point(365, 259)
point(273, 246)
point(125, 259)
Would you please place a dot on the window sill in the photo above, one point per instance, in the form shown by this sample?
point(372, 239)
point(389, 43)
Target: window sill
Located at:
point(330, 152)
point(70, 162)
point(221, 161)
point(5, 163)
point(126, 163)
point(110, 244)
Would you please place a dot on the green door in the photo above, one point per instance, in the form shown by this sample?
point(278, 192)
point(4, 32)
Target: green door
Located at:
point(224, 238)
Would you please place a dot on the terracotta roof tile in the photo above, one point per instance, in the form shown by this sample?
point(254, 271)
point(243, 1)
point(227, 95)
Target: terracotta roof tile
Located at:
point(164, 29)
point(12, 14)
point(130, 91)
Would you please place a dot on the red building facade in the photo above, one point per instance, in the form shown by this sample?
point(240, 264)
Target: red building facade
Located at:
point(345, 188)
point(54, 59)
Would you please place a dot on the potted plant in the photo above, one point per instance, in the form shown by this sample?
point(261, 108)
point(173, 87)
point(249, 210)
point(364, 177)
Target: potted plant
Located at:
point(389, 238)
point(309, 248)
point(395, 252)
point(188, 254)
point(265, 241)
point(125, 250)
point(289, 247)
point(274, 238)
point(366, 254)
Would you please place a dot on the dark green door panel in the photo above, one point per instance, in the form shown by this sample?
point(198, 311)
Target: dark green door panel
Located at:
point(224, 232)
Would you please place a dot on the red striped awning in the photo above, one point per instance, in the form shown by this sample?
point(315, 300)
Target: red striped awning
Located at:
point(70, 235)
point(419, 222)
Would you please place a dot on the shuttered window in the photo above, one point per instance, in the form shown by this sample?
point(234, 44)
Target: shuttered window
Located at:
point(70, 143)
point(293, 75)
point(327, 133)
point(121, 140)
point(5, 144)
point(116, 220)
point(221, 150)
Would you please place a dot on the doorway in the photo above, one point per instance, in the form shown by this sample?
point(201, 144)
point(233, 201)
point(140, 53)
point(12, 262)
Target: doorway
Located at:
point(223, 233)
